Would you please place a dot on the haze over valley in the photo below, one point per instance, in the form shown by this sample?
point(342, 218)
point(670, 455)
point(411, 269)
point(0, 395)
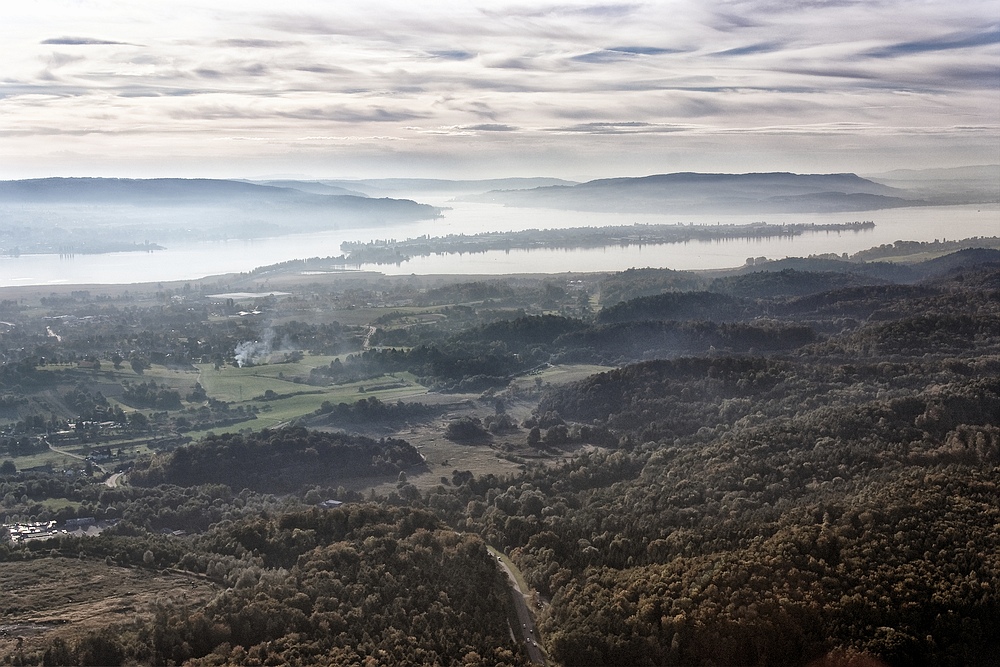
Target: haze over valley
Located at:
point(53, 225)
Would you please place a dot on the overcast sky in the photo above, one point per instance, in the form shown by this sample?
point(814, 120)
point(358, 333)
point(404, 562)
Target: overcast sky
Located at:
point(488, 89)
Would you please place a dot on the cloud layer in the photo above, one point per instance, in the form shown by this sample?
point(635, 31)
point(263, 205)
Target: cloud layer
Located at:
point(569, 89)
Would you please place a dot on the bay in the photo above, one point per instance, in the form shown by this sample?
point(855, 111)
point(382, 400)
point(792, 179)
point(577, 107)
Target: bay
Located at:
point(190, 261)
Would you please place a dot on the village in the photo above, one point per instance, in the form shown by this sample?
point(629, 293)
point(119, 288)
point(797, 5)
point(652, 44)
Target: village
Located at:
point(28, 531)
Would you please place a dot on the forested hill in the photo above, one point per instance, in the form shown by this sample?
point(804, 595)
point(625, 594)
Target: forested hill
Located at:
point(357, 585)
point(277, 461)
point(766, 511)
point(719, 193)
point(177, 192)
point(99, 215)
point(769, 468)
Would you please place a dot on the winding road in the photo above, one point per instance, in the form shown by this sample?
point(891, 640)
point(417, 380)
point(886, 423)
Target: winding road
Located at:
point(523, 613)
point(113, 479)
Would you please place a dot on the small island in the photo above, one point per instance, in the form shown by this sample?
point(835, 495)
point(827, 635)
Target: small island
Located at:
point(391, 251)
point(83, 247)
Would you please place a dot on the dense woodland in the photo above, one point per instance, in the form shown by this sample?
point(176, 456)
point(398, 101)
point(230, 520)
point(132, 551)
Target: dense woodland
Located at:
point(363, 584)
point(784, 465)
point(276, 461)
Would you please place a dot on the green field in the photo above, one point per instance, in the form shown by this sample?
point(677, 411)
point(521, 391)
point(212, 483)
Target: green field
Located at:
point(238, 385)
point(53, 504)
point(247, 386)
point(560, 374)
point(58, 461)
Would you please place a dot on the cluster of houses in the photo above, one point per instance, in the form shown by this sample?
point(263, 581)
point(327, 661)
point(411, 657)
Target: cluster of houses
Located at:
point(26, 531)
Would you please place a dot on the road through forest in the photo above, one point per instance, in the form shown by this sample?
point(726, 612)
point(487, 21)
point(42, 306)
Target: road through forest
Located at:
point(524, 616)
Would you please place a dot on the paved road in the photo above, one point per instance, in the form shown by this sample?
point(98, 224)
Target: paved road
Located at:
point(524, 617)
point(112, 480)
point(72, 455)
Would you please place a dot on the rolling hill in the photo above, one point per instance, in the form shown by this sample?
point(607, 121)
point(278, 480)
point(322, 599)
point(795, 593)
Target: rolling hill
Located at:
point(689, 192)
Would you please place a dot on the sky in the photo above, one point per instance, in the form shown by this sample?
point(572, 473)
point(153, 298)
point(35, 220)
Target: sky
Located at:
point(577, 90)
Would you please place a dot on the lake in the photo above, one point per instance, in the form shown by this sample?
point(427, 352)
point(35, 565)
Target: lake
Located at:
point(197, 260)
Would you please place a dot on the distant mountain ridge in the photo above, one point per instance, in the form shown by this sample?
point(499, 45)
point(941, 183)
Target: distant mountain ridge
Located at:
point(374, 186)
point(196, 191)
point(122, 190)
point(95, 215)
point(693, 192)
point(979, 172)
point(315, 187)
point(979, 184)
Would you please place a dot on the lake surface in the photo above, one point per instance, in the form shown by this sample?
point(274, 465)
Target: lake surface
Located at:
point(197, 260)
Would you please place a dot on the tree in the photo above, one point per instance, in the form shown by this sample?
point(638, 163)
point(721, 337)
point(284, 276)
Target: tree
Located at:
point(8, 468)
point(139, 365)
point(465, 429)
point(556, 435)
point(138, 421)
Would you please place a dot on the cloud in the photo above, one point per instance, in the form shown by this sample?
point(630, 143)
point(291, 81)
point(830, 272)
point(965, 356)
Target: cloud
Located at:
point(303, 25)
point(350, 115)
point(491, 127)
point(42, 131)
point(547, 78)
point(983, 76)
point(465, 130)
point(602, 11)
point(57, 60)
point(477, 108)
point(855, 129)
point(624, 127)
point(521, 63)
point(217, 112)
point(727, 22)
point(619, 53)
point(600, 57)
point(750, 49)
point(609, 10)
point(321, 69)
point(326, 138)
point(833, 72)
point(254, 69)
point(643, 50)
point(497, 86)
point(946, 43)
point(453, 55)
point(798, 6)
point(233, 71)
point(139, 92)
point(599, 10)
point(254, 43)
point(335, 114)
point(82, 41)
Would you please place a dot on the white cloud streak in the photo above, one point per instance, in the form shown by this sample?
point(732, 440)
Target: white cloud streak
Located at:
point(562, 88)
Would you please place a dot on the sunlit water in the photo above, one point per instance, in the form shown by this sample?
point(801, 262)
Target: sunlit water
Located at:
point(196, 260)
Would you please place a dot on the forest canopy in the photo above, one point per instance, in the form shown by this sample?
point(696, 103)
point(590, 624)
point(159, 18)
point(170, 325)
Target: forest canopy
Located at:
point(795, 463)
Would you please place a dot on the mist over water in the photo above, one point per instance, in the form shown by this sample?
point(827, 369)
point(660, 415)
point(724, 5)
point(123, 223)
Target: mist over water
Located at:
point(186, 261)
